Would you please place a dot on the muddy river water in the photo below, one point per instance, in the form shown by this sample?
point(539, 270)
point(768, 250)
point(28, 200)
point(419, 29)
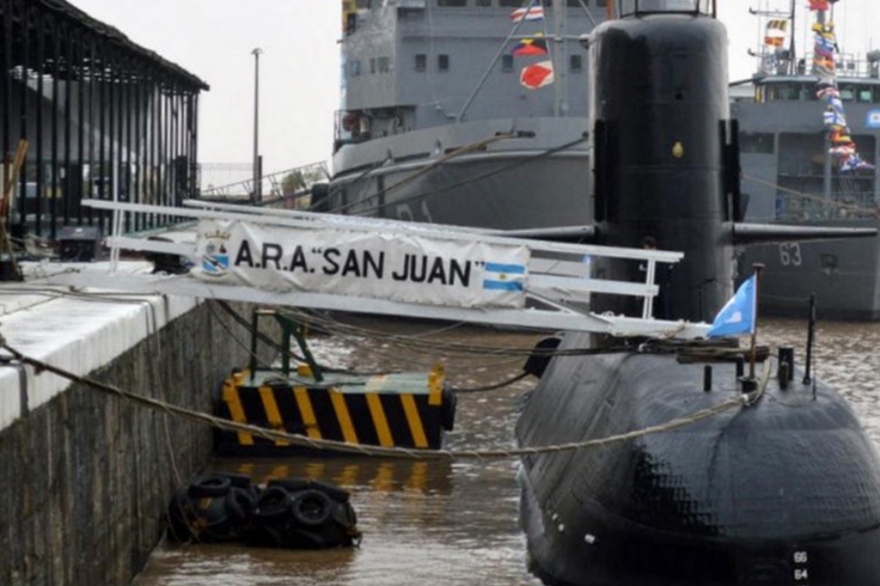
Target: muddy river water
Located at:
point(452, 523)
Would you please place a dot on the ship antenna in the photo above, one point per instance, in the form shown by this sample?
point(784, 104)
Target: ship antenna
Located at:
point(811, 338)
point(792, 62)
point(758, 269)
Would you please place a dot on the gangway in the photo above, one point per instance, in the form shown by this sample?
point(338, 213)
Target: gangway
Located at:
point(301, 180)
point(387, 267)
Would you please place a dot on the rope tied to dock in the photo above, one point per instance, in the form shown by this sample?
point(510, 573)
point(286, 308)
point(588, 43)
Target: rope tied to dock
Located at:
point(744, 400)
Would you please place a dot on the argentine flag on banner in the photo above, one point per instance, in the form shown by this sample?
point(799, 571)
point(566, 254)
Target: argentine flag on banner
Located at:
point(504, 277)
point(738, 315)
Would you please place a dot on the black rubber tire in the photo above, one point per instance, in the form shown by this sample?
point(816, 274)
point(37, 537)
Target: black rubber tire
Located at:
point(289, 484)
point(240, 505)
point(311, 508)
point(238, 480)
point(337, 494)
point(210, 486)
point(345, 516)
point(274, 504)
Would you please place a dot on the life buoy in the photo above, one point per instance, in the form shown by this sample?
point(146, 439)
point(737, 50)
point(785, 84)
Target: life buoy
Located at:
point(311, 508)
point(349, 121)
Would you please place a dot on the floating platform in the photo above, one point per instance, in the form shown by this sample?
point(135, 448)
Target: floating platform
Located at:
point(405, 410)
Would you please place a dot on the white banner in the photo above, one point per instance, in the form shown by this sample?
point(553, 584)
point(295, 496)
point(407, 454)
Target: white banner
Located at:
point(393, 267)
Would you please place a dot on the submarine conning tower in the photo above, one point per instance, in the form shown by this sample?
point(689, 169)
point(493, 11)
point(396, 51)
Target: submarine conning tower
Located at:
point(665, 149)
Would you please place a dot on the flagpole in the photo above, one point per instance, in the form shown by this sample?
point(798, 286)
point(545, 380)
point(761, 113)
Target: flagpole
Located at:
point(758, 269)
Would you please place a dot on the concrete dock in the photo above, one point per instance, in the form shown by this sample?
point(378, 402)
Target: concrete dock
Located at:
point(85, 477)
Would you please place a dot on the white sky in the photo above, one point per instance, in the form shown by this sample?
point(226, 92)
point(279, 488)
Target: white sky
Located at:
point(299, 67)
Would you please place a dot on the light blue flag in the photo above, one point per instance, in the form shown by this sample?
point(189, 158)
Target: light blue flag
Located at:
point(738, 315)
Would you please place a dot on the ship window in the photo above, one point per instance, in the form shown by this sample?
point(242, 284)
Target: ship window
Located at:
point(372, 65)
point(384, 64)
point(756, 142)
point(866, 95)
point(355, 68)
point(637, 6)
point(847, 94)
point(443, 62)
point(575, 63)
point(451, 2)
point(364, 3)
point(510, 3)
point(421, 62)
point(602, 3)
point(783, 92)
point(507, 63)
point(484, 2)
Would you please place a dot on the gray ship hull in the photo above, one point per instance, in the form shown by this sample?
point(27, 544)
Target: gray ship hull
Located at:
point(843, 275)
point(538, 179)
point(788, 178)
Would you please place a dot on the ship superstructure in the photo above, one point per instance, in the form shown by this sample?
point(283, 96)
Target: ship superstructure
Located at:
point(794, 128)
point(461, 112)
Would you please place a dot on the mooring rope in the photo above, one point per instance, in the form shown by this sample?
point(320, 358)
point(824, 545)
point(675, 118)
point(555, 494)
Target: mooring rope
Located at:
point(743, 400)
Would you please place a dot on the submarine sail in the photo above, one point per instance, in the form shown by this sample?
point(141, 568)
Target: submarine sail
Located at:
point(785, 491)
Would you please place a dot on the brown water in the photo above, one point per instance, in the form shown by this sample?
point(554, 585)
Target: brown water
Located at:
point(453, 523)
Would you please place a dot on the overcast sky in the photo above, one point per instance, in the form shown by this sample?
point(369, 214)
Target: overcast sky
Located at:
point(299, 67)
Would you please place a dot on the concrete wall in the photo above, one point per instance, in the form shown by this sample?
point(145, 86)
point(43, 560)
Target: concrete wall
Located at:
point(85, 479)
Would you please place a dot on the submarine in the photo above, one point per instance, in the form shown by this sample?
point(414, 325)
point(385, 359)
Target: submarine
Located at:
point(784, 491)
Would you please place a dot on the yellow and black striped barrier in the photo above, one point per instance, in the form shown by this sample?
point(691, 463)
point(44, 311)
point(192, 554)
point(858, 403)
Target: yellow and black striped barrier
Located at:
point(406, 410)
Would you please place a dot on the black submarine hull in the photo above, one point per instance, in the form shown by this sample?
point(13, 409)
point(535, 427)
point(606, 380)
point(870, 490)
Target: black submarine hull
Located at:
point(785, 492)
point(782, 492)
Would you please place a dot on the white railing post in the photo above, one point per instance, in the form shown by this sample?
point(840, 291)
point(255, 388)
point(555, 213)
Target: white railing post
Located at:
point(648, 305)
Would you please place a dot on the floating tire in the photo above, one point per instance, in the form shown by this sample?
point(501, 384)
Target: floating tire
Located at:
point(210, 486)
point(240, 505)
point(274, 504)
point(311, 508)
point(238, 480)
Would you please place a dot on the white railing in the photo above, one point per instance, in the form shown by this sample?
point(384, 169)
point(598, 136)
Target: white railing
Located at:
point(556, 276)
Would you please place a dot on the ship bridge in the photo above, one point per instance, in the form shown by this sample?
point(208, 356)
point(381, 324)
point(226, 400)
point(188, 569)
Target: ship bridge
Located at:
point(636, 7)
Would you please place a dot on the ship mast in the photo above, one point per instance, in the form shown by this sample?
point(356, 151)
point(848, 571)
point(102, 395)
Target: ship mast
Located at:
point(559, 59)
point(792, 63)
point(826, 187)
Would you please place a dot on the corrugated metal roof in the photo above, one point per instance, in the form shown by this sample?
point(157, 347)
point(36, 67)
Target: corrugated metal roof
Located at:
point(116, 36)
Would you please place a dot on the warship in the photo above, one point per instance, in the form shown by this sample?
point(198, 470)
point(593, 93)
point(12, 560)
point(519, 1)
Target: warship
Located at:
point(793, 177)
point(463, 112)
point(782, 489)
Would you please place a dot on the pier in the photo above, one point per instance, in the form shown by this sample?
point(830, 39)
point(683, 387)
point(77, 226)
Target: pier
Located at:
point(85, 476)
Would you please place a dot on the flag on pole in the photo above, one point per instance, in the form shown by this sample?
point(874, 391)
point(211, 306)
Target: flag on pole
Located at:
point(530, 47)
point(776, 31)
point(537, 75)
point(531, 13)
point(738, 315)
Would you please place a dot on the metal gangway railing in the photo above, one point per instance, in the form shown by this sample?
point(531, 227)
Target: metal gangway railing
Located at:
point(294, 183)
point(386, 267)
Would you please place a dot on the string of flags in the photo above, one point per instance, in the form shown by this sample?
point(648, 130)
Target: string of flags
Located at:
point(843, 148)
point(535, 75)
point(775, 33)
